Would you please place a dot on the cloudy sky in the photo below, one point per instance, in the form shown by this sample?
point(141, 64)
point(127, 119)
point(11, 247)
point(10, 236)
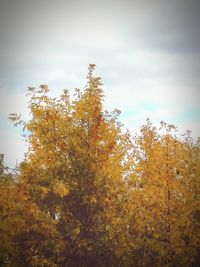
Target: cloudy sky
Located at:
point(147, 53)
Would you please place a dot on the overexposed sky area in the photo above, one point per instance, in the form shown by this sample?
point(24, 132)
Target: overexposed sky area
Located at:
point(147, 53)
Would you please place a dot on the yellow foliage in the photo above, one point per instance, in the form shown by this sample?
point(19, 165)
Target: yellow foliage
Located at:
point(60, 188)
point(89, 194)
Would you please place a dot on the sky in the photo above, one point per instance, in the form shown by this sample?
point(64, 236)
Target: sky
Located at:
point(147, 53)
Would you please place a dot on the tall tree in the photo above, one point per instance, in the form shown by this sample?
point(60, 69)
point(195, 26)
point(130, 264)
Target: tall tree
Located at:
point(73, 175)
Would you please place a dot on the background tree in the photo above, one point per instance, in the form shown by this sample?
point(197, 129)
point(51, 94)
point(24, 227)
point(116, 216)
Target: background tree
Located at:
point(162, 185)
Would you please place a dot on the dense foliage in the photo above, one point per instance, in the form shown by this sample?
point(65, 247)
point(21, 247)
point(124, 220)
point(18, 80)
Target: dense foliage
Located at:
point(90, 194)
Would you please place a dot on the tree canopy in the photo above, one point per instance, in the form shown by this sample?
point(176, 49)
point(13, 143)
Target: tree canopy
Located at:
point(90, 194)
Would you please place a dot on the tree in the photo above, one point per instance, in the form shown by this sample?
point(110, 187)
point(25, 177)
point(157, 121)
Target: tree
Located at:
point(8, 217)
point(165, 174)
point(72, 176)
point(88, 194)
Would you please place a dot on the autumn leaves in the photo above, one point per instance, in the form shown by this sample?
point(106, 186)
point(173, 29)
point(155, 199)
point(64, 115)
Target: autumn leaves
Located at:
point(89, 194)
